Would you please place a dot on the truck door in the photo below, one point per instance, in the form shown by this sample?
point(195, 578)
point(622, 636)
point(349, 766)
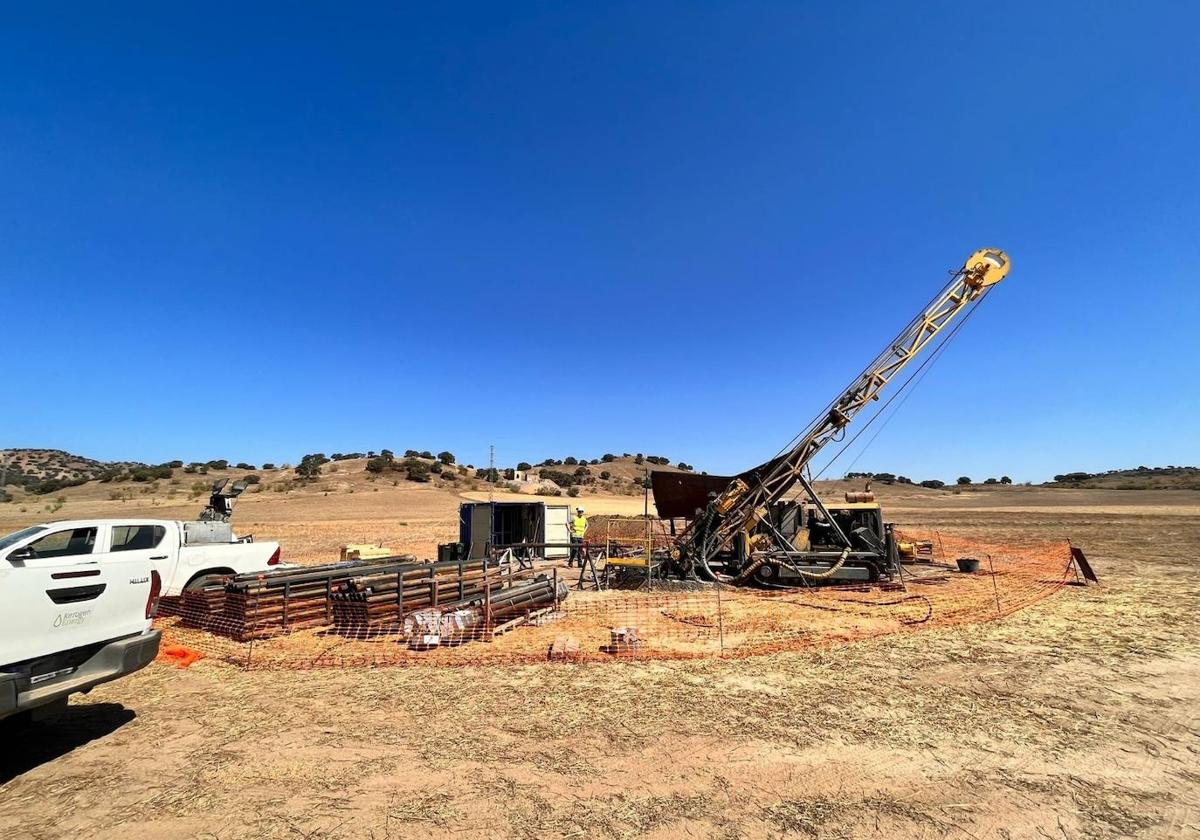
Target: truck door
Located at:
point(61, 593)
point(144, 541)
point(58, 547)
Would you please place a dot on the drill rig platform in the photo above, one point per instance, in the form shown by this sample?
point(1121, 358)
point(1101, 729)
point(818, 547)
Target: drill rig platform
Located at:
point(744, 529)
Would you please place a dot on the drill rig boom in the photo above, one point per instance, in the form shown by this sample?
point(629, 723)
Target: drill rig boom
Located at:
point(746, 500)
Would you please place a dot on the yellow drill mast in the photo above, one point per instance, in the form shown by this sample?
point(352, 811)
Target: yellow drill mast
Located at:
point(746, 500)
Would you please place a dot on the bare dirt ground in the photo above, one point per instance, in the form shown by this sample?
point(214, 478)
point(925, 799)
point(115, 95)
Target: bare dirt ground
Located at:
point(1077, 717)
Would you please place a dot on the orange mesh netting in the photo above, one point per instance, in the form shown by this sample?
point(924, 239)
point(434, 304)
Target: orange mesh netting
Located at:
point(179, 655)
point(662, 620)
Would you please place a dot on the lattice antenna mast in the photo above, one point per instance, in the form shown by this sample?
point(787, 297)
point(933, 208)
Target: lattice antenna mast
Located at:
point(491, 473)
point(743, 502)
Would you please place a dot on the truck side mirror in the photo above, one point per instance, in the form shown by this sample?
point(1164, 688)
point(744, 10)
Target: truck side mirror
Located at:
point(25, 552)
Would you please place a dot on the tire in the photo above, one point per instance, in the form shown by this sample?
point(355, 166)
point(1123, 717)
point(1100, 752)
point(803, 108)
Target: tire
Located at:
point(203, 580)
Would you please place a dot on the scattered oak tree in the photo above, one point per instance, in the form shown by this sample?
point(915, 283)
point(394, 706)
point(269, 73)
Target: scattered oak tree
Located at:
point(416, 470)
point(310, 465)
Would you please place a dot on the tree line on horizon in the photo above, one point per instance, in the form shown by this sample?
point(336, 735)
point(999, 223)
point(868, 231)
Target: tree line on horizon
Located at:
point(422, 465)
point(933, 483)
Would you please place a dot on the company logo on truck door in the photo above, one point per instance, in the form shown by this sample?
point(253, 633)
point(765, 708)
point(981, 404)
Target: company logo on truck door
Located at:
point(136, 581)
point(71, 619)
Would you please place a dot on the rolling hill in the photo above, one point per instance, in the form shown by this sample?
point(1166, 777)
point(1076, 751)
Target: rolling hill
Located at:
point(1139, 478)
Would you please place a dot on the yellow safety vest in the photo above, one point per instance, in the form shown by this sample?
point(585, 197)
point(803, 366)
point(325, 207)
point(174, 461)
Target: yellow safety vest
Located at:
point(579, 526)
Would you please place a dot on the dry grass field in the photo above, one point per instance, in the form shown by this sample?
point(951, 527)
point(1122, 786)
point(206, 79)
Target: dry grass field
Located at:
point(1078, 717)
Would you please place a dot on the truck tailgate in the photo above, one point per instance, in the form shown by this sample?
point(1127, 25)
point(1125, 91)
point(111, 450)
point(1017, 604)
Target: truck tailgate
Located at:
point(52, 608)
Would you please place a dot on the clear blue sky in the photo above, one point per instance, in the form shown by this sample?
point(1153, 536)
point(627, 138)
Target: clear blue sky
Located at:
point(568, 229)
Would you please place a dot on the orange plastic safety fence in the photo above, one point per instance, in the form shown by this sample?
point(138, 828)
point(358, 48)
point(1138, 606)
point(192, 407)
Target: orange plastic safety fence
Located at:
point(509, 616)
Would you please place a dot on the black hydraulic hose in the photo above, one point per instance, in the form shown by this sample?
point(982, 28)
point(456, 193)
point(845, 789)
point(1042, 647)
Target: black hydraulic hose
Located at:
point(897, 602)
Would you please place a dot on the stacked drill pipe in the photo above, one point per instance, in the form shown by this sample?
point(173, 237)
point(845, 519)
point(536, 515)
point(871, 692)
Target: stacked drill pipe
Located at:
point(517, 605)
point(170, 605)
point(461, 621)
point(357, 597)
point(378, 602)
point(523, 598)
point(199, 606)
point(260, 605)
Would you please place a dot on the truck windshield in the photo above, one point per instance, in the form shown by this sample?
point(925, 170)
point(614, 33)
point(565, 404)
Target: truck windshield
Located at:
point(16, 536)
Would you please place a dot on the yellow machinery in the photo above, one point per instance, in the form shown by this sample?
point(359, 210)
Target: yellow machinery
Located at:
point(634, 543)
point(737, 534)
point(356, 551)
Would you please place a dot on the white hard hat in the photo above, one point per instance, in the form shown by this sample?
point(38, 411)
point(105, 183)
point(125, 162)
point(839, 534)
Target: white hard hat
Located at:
point(579, 509)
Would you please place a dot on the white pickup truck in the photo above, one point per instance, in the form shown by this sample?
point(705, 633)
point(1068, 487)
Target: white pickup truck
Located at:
point(77, 597)
point(70, 618)
point(185, 554)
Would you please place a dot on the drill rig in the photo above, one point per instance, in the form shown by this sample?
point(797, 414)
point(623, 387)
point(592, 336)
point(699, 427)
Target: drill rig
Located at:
point(747, 532)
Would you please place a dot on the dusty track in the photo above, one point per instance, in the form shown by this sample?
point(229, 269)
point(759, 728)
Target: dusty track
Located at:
point(1077, 717)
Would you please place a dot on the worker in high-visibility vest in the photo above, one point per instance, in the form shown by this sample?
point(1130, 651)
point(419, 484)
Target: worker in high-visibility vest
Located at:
point(578, 529)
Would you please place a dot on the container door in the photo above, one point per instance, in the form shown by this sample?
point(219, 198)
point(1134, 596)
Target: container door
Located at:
point(464, 524)
point(480, 530)
point(558, 529)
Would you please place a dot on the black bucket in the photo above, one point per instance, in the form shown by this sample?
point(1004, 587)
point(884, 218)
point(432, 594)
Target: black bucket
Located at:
point(968, 564)
point(451, 552)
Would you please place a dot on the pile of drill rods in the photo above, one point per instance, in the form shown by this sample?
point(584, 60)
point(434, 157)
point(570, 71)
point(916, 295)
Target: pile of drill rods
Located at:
point(266, 612)
point(354, 596)
point(261, 604)
point(460, 621)
point(523, 599)
point(198, 606)
point(343, 570)
point(379, 602)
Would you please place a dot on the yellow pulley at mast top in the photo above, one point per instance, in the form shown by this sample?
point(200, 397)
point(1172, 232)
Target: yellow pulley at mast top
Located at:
point(986, 267)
